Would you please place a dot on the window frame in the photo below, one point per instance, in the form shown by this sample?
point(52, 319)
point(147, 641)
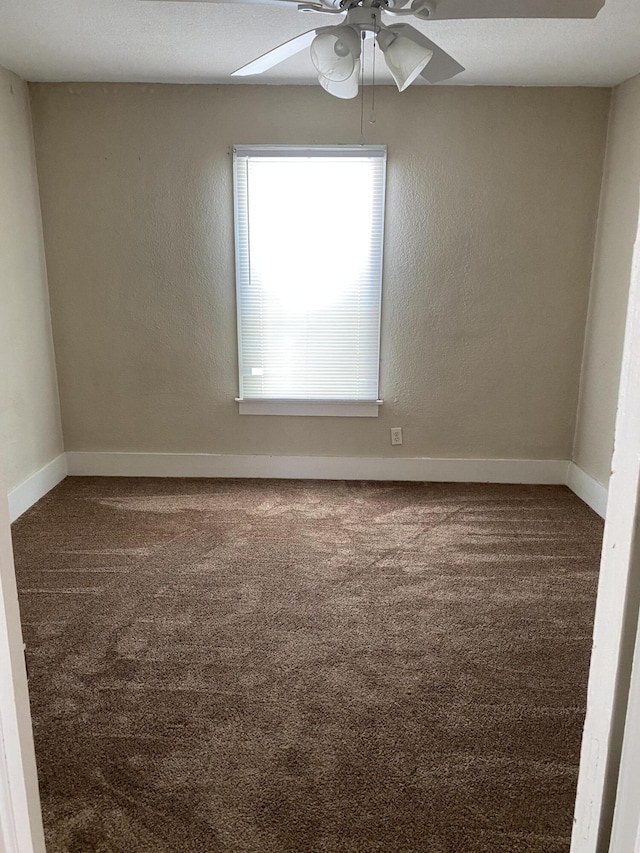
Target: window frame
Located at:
point(304, 407)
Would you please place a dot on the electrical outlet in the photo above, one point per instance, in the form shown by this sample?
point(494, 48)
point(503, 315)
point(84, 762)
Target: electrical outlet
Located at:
point(396, 435)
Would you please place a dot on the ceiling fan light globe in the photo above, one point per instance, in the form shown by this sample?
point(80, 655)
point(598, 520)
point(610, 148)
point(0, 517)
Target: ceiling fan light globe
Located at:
point(405, 60)
point(345, 89)
point(341, 48)
point(334, 54)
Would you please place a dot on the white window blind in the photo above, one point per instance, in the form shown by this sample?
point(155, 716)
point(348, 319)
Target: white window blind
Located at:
point(309, 233)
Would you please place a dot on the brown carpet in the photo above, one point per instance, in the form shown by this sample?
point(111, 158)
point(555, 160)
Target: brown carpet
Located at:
point(307, 667)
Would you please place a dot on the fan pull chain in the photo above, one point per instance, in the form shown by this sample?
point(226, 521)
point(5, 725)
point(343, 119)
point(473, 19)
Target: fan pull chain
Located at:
point(362, 93)
point(372, 114)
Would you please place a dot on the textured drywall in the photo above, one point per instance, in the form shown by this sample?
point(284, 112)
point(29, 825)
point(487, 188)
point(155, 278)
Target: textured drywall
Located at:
point(30, 434)
point(617, 229)
point(491, 207)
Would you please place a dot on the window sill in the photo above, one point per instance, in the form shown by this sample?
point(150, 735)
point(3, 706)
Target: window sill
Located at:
point(311, 408)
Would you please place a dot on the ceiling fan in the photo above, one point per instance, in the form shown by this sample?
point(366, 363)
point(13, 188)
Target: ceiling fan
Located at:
point(336, 51)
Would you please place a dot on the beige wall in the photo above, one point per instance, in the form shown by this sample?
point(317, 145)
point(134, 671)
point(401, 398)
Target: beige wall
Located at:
point(617, 230)
point(30, 435)
point(492, 197)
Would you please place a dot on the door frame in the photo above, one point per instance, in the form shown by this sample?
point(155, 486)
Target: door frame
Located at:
point(20, 814)
point(617, 608)
point(625, 835)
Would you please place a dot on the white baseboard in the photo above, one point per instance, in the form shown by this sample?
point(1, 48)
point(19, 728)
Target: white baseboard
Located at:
point(593, 493)
point(419, 469)
point(540, 471)
point(36, 486)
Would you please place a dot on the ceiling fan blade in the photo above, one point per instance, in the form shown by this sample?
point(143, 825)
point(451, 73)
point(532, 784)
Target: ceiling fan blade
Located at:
point(292, 4)
point(441, 66)
point(277, 55)
point(446, 10)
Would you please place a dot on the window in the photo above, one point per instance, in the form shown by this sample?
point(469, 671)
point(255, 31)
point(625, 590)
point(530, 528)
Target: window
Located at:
point(309, 227)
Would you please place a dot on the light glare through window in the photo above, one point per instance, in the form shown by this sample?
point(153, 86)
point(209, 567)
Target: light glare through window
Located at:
point(295, 209)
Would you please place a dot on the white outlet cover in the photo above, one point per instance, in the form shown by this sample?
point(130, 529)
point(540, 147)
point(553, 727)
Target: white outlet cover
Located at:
point(396, 435)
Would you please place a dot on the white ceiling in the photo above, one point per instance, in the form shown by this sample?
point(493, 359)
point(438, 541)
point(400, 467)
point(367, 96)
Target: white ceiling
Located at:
point(181, 42)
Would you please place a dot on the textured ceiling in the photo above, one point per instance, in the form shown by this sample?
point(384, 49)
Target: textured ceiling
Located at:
point(130, 40)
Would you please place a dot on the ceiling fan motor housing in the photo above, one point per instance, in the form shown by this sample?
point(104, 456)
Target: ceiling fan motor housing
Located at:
point(365, 18)
point(348, 5)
